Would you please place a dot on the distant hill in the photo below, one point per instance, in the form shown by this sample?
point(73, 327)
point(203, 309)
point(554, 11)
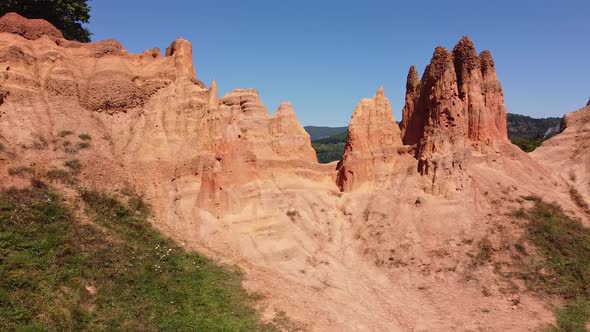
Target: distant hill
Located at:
point(522, 126)
point(317, 133)
point(526, 132)
point(330, 148)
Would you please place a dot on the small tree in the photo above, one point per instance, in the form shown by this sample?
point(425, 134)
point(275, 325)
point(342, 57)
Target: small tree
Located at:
point(66, 15)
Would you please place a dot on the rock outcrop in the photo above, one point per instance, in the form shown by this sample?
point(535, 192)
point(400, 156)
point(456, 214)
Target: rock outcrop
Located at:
point(148, 108)
point(457, 106)
point(373, 143)
point(568, 153)
point(28, 28)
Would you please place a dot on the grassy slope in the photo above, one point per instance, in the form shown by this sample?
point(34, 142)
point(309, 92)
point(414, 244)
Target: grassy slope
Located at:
point(113, 273)
point(563, 245)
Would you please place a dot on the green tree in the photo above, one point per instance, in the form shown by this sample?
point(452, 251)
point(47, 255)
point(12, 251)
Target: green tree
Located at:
point(66, 15)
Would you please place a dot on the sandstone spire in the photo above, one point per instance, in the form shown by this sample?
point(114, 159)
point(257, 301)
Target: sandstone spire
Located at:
point(182, 52)
point(458, 104)
point(213, 95)
point(373, 141)
point(459, 94)
point(411, 134)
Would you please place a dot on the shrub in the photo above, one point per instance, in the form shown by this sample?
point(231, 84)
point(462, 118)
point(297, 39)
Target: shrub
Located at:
point(85, 137)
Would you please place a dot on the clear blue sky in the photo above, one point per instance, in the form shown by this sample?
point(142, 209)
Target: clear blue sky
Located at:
point(324, 56)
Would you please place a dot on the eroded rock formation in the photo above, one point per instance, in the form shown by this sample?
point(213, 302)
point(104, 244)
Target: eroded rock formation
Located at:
point(149, 108)
point(28, 28)
point(456, 106)
point(373, 144)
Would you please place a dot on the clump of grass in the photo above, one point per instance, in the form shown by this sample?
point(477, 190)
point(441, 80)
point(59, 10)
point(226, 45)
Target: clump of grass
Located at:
point(61, 274)
point(532, 198)
point(20, 171)
point(40, 143)
point(67, 145)
point(519, 214)
point(60, 175)
point(579, 200)
point(65, 133)
point(484, 254)
point(74, 165)
point(563, 245)
point(83, 145)
point(85, 137)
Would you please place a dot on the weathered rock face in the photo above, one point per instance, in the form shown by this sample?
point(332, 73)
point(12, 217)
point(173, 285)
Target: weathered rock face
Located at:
point(143, 109)
point(373, 143)
point(459, 91)
point(568, 154)
point(28, 28)
point(413, 133)
point(458, 105)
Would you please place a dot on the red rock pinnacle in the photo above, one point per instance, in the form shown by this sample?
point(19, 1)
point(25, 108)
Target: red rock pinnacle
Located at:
point(373, 140)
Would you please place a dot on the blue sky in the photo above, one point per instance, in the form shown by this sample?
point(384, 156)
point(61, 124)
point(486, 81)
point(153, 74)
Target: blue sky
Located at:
point(324, 56)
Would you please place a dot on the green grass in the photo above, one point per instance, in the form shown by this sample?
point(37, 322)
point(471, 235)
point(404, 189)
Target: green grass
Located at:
point(115, 273)
point(564, 270)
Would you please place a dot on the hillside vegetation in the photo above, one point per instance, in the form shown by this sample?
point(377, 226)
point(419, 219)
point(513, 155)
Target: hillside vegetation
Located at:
point(107, 270)
point(529, 133)
point(316, 133)
point(331, 148)
point(563, 269)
